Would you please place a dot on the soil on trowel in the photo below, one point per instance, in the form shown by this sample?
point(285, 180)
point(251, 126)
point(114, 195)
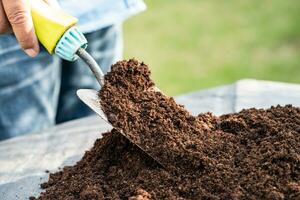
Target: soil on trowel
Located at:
point(253, 154)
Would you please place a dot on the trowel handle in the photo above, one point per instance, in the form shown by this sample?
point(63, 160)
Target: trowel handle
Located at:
point(56, 30)
point(50, 22)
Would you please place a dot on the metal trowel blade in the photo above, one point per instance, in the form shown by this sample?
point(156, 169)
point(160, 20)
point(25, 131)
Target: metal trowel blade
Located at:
point(91, 99)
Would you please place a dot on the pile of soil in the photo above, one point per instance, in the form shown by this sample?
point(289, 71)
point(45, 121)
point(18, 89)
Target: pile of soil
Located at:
point(253, 154)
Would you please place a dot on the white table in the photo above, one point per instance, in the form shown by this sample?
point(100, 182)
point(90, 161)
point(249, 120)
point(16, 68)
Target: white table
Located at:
point(23, 160)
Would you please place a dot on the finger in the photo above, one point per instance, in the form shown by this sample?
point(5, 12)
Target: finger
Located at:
point(20, 20)
point(4, 24)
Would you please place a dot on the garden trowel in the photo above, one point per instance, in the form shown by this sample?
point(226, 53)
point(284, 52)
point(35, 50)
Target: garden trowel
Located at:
point(58, 33)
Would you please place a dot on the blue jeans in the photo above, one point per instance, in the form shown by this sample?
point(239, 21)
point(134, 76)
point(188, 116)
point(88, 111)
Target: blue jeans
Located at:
point(36, 93)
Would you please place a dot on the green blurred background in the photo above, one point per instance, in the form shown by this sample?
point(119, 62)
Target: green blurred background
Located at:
point(195, 44)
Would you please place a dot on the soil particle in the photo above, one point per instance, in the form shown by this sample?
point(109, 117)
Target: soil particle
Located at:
point(253, 154)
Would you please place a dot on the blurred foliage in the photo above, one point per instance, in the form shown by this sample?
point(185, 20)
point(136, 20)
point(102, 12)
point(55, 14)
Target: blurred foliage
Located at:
point(195, 44)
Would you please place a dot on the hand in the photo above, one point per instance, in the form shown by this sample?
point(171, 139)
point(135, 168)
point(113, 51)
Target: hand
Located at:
point(15, 16)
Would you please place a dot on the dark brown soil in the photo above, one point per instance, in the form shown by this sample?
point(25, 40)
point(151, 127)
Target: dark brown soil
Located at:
point(254, 154)
point(153, 121)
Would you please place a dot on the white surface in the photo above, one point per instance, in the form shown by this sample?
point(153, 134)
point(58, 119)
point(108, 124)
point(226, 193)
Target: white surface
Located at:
point(240, 95)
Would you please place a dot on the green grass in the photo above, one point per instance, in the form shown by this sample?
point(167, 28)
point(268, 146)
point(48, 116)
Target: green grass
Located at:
point(196, 44)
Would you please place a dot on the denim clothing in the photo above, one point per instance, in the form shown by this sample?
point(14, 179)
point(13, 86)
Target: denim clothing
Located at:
point(36, 93)
point(96, 14)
